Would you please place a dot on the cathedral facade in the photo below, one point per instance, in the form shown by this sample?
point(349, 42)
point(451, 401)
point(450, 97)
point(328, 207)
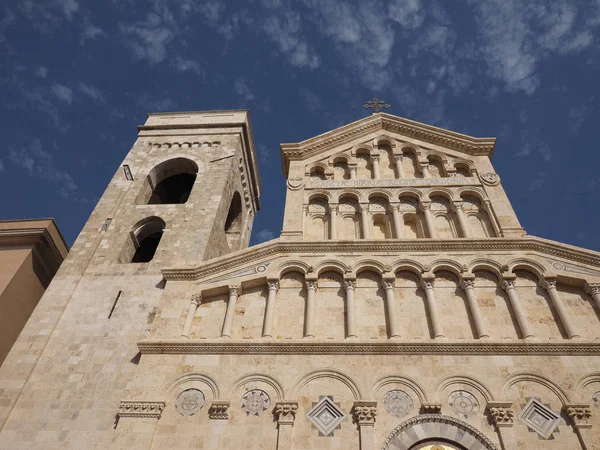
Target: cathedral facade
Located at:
point(403, 307)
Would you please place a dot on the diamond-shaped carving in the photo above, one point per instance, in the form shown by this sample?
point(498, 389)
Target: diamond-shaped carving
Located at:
point(326, 416)
point(539, 418)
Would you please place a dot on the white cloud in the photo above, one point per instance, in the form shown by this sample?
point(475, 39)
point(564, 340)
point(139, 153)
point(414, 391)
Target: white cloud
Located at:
point(187, 65)
point(41, 72)
point(148, 39)
point(91, 92)
point(408, 13)
point(265, 235)
point(532, 144)
point(40, 164)
point(1, 166)
point(149, 103)
point(48, 15)
point(538, 181)
point(243, 90)
point(91, 32)
point(312, 100)
point(62, 92)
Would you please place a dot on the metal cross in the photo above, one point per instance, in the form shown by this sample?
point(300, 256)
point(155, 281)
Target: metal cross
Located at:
point(376, 104)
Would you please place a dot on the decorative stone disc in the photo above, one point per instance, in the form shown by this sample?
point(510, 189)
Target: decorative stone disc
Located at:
point(189, 402)
point(397, 403)
point(255, 402)
point(463, 403)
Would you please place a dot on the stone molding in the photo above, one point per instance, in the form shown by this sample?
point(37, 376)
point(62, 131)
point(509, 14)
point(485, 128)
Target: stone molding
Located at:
point(364, 413)
point(431, 408)
point(141, 409)
point(391, 182)
point(501, 414)
point(285, 412)
point(400, 246)
point(219, 410)
point(388, 347)
point(579, 413)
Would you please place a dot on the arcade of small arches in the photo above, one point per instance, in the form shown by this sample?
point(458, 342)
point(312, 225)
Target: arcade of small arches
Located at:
point(478, 302)
point(401, 215)
point(388, 160)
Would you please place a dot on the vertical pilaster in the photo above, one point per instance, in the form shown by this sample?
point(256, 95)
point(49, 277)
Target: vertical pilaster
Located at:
point(273, 285)
point(189, 320)
point(311, 306)
point(390, 302)
point(468, 285)
point(399, 167)
point(398, 225)
point(285, 414)
point(350, 285)
point(333, 215)
point(364, 417)
point(465, 230)
point(427, 283)
point(426, 208)
point(375, 164)
point(550, 285)
point(424, 166)
point(234, 293)
point(502, 417)
point(366, 223)
point(352, 168)
point(509, 286)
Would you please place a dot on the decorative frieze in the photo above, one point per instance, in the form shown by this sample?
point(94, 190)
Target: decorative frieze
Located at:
point(141, 409)
point(393, 182)
point(219, 410)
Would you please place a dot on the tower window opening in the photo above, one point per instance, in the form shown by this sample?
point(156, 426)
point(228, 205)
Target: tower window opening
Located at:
point(233, 223)
point(175, 189)
point(143, 242)
point(170, 182)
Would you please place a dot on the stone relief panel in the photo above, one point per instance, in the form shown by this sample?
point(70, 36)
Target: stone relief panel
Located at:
point(326, 416)
point(189, 402)
point(464, 403)
point(255, 402)
point(398, 403)
point(539, 418)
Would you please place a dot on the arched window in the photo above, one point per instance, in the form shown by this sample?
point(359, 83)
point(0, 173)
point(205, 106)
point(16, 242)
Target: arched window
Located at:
point(170, 182)
point(317, 223)
point(340, 169)
point(462, 170)
point(411, 218)
point(317, 173)
point(143, 241)
point(443, 217)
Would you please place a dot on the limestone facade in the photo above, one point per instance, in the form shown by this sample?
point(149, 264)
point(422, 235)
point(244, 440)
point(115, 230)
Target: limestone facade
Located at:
point(403, 306)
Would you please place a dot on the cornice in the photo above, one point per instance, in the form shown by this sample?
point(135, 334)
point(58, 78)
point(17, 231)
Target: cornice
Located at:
point(302, 347)
point(388, 122)
point(277, 247)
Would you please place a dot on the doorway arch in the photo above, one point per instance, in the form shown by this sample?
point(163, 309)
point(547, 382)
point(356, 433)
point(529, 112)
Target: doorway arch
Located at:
point(454, 434)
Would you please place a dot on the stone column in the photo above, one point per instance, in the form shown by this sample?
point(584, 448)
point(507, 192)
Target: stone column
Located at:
point(234, 293)
point(580, 415)
point(285, 414)
point(311, 307)
point(468, 285)
point(273, 285)
point(364, 417)
point(189, 320)
point(390, 303)
point(350, 308)
point(550, 285)
point(333, 215)
point(502, 417)
point(375, 163)
point(426, 208)
point(593, 289)
point(462, 220)
point(399, 167)
point(398, 225)
point(425, 169)
point(427, 283)
point(304, 214)
point(509, 286)
point(352, 171)
point(366, 223)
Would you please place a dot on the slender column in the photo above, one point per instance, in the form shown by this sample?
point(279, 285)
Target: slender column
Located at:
point(304, 214)
point(399, 167)
point(350, 309)
point(311, 306)
point(550, 285)
point(426, 208)
point(390, 302)
point(366, 223)
point(462, 220)
point(285, 414)
point(502, 416)
point(398, 225)
point(509, 286)
point(593, 289)
point(580, 415)
point(425, 169)
point(189, 320)
point(427, 284)
point(234, 293)
point(333, 214)
point(270, 309)
point(353, 171)
point(364, 416)
point(375, 163)
point(468, 284)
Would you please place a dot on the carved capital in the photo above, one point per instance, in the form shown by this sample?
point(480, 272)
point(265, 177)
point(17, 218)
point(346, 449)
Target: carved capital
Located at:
point(431, 408)
point(467, 284)
point(457, 205)
point(365, 413)
point(374, 158)
point(285, 412)
point(311, 285)
point(508, 284)
point(398, 158)
point(142, 409)
point(333, 208)
point(592, 288)
point(425, 206)
point(273, 285)
point(427, 283)
point(549, 283)
point(196, 298)
point(395, 207)
point(219, 410)
point(235, 290)
point(580, 414)
point(501, 414)
point(388, 284)
point(350, 284)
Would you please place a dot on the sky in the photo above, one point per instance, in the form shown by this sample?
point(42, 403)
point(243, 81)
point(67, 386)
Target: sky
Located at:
point(77, 77)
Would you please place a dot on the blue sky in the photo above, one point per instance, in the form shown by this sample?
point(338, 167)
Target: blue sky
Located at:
point(77, 77)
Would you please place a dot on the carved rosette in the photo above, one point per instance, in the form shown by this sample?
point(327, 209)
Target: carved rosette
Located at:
point(490, 178)
point(580, 414)
point(285, 412)
point(431, 408)
point(219, 410)
point(365, 413)
point(141, 409)
point(501, 415)
point(295, 184)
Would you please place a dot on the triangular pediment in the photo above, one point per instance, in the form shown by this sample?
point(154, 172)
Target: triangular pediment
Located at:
point(385, 124)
